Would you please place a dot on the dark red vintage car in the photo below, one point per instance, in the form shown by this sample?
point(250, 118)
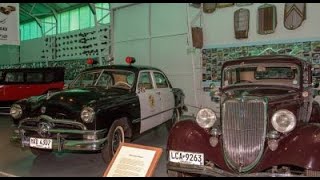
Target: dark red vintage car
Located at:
point(268, 124)
point(16, 84)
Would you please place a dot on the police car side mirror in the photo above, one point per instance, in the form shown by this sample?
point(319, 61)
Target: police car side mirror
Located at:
point(215, 93)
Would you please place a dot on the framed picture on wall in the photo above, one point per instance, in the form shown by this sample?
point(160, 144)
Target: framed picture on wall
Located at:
point(197, 37)
point(196, 5)
point(241, 23)
point(294, 15)
point(223, 5)
point(267, 19)
point(243, 4)
point(209, 7)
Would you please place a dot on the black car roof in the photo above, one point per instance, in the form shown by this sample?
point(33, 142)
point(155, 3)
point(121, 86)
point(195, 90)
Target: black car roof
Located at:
point(134, 68)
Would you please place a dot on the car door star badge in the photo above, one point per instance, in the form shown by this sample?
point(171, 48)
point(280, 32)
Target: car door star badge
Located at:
point(151, 101)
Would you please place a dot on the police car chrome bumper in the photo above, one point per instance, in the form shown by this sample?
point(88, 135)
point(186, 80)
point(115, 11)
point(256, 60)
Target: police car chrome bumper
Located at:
point(88, 140)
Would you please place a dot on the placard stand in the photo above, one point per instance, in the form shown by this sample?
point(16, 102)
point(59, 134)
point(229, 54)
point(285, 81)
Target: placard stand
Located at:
point(133, 160)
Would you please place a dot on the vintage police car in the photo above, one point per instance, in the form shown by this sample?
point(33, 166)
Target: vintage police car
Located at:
point(101, 108)
point(268, 126)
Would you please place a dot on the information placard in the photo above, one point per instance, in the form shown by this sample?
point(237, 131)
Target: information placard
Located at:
point(9, 24)
point(133, 160)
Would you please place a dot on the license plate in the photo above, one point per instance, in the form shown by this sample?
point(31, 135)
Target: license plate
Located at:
point(186, 157)
point(40, 143)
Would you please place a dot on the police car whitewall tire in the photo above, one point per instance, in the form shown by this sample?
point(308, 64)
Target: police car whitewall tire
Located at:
point(114, 138)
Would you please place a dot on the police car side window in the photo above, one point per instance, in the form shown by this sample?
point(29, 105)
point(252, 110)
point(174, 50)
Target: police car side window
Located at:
point(145, 81)
point(161, 81)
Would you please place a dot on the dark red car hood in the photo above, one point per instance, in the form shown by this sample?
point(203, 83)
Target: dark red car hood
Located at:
point(272, 93)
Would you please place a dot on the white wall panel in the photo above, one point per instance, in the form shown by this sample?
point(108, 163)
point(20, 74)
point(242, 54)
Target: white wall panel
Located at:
point(131, 22)
point(119, 5)
point(170, 54)
point(31, 50)
point(139, 49)
point(169, 45)
point(185, 82)
point(9, 54)
point(168, 19)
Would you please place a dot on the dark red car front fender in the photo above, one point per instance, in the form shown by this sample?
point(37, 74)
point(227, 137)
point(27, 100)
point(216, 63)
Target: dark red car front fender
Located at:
point(300, 148)
point(188, 136)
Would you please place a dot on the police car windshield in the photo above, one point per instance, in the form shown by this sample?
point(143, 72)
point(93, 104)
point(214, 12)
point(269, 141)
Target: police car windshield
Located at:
point(104, 78)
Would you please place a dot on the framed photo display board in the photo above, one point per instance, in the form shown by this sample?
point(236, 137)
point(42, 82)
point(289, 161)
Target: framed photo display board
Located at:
point(133, 160)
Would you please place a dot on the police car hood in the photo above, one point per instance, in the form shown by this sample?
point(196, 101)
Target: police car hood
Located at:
point(81, 96)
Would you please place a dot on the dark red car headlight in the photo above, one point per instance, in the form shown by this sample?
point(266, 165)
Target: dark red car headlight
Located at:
point(283, 121)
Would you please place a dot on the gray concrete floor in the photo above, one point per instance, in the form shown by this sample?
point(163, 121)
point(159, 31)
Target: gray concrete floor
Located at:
point(18, 162)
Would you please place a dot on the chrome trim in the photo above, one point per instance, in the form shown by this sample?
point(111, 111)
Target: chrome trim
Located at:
point(51, 120)
point(214, 171)
point(215, 132)
point(5, 107)
point(68, 131)
point(157, 113)
point(273, 135)
point(60, 143)
point(136, 120)
point(232, 140)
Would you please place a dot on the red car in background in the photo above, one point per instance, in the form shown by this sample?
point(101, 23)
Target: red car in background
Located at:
point(16, 84)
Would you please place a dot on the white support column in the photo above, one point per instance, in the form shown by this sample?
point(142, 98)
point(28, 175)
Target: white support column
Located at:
point(191, 50)
point(97, 25)
point(55, 15)
point(111, 35)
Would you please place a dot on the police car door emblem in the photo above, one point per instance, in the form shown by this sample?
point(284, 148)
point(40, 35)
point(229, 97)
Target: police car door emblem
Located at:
point(151, 101)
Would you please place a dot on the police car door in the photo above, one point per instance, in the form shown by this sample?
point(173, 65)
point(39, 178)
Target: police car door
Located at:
point(166, 95)
point(150, 104)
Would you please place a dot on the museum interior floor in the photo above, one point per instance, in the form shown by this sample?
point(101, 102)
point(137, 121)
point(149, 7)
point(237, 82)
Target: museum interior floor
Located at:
point(15, 161)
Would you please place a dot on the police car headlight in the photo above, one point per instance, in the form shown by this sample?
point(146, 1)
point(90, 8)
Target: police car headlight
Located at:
point(283, 121)
point(206, 118)
point(87, 115)
point(16, 111)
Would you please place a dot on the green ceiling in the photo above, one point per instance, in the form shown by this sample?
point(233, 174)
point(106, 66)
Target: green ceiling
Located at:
point(42, 10)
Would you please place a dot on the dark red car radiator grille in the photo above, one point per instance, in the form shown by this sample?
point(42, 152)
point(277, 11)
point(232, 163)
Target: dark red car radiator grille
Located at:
point(243, 131)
